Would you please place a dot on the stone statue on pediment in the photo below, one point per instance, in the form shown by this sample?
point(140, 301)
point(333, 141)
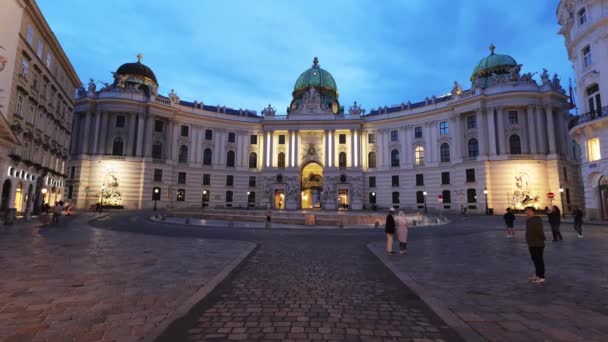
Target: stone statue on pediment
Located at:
point(456, 90)
point(356, 109)
point(514, 74)
point(92, 86)
point(545, 76)
point(555, 82)
point(268, 111)
point(173, 96)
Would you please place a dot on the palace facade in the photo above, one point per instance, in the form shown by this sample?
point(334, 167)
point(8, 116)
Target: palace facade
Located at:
point(502, 143)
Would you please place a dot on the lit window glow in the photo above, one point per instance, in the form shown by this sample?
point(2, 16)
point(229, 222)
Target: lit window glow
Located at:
point(593, 149)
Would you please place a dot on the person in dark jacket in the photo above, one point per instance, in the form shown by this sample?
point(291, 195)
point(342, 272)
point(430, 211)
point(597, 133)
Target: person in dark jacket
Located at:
point(535, 238)
point(578, 221)
point(389, 229)
point(509, 220)
point(555, 217)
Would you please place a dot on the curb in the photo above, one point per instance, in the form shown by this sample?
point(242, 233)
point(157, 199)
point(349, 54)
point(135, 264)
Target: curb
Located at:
point(184, 308)
point(443, 311)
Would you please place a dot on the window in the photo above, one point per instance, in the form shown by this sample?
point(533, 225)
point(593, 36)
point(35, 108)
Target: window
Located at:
point(593, 149)
point(470, 175)
point(447, 196)
point(231, 137)
point(251, 198)
point(183, 154)
point(157, 150)
point(207, 154)
point(395, 197)
point(582, 16)
point(567, 195)
point(181, 178)
point(252, 181)
point(419, 197)
point(281, 160)
point(587, 56)
point(229, 196)
point(395, 135)
point(117, 147)
point(48, 60)
point(371, 138)
point(565, 172)
point(281, 139)
point(181, 195)
point(230, 159)
point(70, 191)
point(185, 131)
point(120, 121)
point(395, 158)
point(29, 34)
point(35, 80)
point(206, 179)
point(158, 126)
point(417, 132)
point(19, 107)
point(253, 139)
point(158, 175)
point(39, 49)
point(229, 180)
point(419, 155)
point(371, 159)
point(471, 122)
point(445, 178)
point(26, 67)
point(395, 181)
point(208, 134)
point(444, 152)
point(342, 159)
point(342, 139)
point(471, 196)
point(419, 179)
point(253, 159)
point(73, 172)
point(515, 144)
point(372, 181)
point(443, 128)
point(473, 148)
point(513, 119)
point(594, 100)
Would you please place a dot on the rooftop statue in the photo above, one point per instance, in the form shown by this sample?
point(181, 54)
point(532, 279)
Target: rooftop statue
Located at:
point(268, 111)
point(545, 76)
point(92, 86)
point(456, 90)
point(173, 96)
point(514, 74)
point(356, 109)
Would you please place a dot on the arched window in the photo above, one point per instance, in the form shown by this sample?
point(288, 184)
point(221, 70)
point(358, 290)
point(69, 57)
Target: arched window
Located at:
point(183, 154)
point(473, 148)
point(515, 144)
point(281, 160)
point(342, 159)
point(157, 150)
point(444, 152)
point(419, 155)
point(230, 159)
point(253, 160)
point(371, 159)
point(207, 156)
point(447, 196)
point(117, 147)
point(395, 158)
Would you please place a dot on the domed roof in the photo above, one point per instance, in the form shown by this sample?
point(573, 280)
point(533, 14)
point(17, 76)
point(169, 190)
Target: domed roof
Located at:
point(137, 69)
point(494, 63)
point(315, 77)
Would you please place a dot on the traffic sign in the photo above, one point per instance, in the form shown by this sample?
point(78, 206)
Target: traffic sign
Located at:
point(550, 195)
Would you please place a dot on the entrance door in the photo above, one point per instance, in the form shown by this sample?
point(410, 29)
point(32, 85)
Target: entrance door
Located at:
point(311, 185)
point(19, 198)
point(279, 199)
point(343, 199)
point(6, 193)
point(604, 197)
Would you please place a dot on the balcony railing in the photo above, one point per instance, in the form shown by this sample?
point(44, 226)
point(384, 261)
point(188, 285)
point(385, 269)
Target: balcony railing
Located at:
point(589, 116)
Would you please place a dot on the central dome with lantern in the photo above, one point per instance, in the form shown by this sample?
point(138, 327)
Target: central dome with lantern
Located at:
point(322, 84)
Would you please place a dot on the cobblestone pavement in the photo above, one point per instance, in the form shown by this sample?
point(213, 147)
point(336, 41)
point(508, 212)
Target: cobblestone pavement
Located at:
point(306, 285)
point(75, 283)
point(471, 271)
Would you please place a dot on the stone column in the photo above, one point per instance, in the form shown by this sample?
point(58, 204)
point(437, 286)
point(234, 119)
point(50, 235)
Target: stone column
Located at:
point(140, 135)
point(265, 149)
point(491, 129)
point(351, 162)
point(131, 137)
point(193, 149)
point(541, 134)
point(550, 129)
point(96, 133)
point(105, 117)
point(409, 149)
point(86, 133)
point(148, 135)
point(297, 149)
point(168, 134)
point(501, 131)
point(271, 145)
point(481, 132)
point(428, 138)
point(531, 134)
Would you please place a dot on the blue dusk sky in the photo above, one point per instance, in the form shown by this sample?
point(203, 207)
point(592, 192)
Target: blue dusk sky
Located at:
point(247, 54)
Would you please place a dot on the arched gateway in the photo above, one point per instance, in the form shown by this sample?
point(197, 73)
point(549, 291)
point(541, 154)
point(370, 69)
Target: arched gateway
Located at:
point(311, 183)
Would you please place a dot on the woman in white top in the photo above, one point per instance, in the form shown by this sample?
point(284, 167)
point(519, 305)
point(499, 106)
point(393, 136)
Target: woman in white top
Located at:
point(402, 232)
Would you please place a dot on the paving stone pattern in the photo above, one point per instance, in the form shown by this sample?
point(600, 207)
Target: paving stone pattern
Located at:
point(481, 276)
point(74, 283)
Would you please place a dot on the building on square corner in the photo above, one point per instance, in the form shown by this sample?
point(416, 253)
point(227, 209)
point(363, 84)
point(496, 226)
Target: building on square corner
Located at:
point(501, 143)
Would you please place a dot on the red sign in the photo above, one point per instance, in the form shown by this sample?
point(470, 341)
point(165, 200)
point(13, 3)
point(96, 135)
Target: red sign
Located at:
point(550, 195)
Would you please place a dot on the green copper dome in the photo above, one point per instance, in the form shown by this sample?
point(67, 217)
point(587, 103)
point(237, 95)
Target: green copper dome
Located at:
point(315, 77)
point(493, 64)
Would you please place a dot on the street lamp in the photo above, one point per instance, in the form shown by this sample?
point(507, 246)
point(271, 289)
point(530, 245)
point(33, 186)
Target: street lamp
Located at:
point(155, 196)
point(561, 197)
point(485, 193)
point(248, 193)
point(43, 191)
point(101, 198)
point(424, 194)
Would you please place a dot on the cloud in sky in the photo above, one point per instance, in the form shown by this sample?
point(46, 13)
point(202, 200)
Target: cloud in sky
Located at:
point(246, 54)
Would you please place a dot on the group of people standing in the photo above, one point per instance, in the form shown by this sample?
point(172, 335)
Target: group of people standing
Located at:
point(400, 226)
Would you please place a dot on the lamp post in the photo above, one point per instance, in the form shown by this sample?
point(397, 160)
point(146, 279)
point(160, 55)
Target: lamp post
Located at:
point(561, 197)
point(204, 199)
point(156, 195)
point(101, 198)
point(485, 194)
point(373, 200)
point(248, 193)
point(424, 194)
point(43, 191)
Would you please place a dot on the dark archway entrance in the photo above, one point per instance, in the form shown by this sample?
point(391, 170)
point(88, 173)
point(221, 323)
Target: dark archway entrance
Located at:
point(312, 186)
point(6, 194)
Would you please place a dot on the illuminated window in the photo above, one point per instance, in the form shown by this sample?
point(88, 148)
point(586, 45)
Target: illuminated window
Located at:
point(371, 159)
point(181, 195)
point(419, 154)
point(593, 149)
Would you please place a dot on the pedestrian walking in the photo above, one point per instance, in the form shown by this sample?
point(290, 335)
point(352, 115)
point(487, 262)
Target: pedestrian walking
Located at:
point(578, 221)
point(535, 238)
point(389, 229)
point(402, 232)
point(57, 209)
point(555, 218)
point(509, 218)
